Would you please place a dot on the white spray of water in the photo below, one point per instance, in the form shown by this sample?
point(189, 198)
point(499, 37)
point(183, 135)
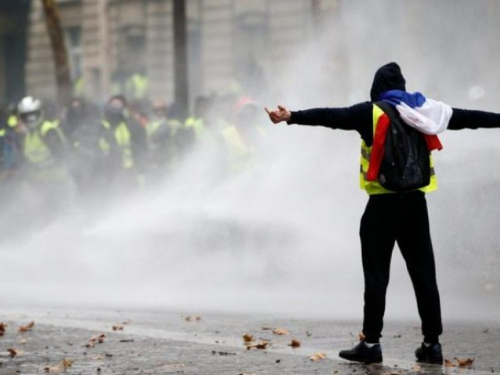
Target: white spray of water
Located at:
point(283, 236)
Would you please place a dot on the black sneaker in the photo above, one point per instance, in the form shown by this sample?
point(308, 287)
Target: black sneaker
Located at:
point(363, 353)
point(429, 354)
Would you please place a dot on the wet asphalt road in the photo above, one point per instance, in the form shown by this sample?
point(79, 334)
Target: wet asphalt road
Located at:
point(164, 342)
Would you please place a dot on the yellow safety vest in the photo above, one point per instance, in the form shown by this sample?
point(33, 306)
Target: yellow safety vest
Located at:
point(79, 87)
point(374, 187)
point(36, 150)
point(12, 121)
point(123, 140)
point(137, 86)
point(153, 126)
point(239, 153)
point(196, 124)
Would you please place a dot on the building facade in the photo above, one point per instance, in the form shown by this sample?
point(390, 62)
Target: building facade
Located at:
point(13, 41)
point(232, 44)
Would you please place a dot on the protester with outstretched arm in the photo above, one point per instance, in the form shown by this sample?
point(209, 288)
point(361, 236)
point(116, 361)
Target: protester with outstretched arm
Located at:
point(391, 216)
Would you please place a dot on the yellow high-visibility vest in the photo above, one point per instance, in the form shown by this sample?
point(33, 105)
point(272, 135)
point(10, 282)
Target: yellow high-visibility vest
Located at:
point(36, 150)
point(374, 187)
point(239, 153)
point(153, 126)
point(196, 124)
point(137, 86)
point(12, 121)
point(123, 140)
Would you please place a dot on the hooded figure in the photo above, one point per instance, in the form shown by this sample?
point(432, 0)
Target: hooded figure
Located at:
point(392, 216)
point(388, 77)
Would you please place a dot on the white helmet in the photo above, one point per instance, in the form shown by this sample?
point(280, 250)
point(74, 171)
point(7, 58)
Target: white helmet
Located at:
point(30, 111)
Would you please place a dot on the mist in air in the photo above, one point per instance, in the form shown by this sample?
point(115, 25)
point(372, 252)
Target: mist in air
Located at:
point(282, 236)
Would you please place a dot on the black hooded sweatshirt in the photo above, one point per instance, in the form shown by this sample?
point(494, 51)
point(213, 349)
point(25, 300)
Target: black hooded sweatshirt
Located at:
point(359, 117)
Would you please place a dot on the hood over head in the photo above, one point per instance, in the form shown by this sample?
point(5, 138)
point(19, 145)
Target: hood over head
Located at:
point(388, 77)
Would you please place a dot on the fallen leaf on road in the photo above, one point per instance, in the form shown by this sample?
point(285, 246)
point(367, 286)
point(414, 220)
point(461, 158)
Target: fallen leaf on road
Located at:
point(27, 327)
point(361, 336)
point(96, 339)
point(2, 328)
point(258, 345)
point(118, 327)
point(22, 341)
point(462, 362)
point(192, 318)
point(280, 331)
point(247, 338)
point(61, 366)
point(448, 363)
point(317, 357)
point(295, 343)
point(12, 352)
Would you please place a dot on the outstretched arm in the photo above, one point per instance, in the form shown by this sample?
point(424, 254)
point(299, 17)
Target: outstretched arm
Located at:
point(470, 119)
point(359, 117)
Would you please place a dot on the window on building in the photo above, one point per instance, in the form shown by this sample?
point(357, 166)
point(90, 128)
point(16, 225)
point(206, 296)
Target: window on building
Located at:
point(73, 37)
point(132, 49)
point(250, 50)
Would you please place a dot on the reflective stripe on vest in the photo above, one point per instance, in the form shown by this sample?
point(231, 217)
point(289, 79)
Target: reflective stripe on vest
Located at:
point(374, 187)
point(123, 140)
point(35, 148)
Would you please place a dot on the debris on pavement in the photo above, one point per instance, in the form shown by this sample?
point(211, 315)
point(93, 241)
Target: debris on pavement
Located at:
point(248, 338)
point(317, 356)
point(192, 318)
point(13, 353)
point(96, 339)
point(28, 327)
point(61, 366)
point(280, 332)
point(258, 345)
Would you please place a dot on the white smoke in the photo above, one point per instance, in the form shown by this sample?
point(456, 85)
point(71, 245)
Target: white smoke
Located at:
point(283, 236)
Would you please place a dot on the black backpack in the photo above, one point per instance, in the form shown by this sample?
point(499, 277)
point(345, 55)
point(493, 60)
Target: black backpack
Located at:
point(406, 162)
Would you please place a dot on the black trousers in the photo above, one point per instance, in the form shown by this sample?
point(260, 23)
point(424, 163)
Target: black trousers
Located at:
point(403, 218)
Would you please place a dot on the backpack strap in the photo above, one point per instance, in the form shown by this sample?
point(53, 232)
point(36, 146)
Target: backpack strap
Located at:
point(378, 145)
point(388, 109)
